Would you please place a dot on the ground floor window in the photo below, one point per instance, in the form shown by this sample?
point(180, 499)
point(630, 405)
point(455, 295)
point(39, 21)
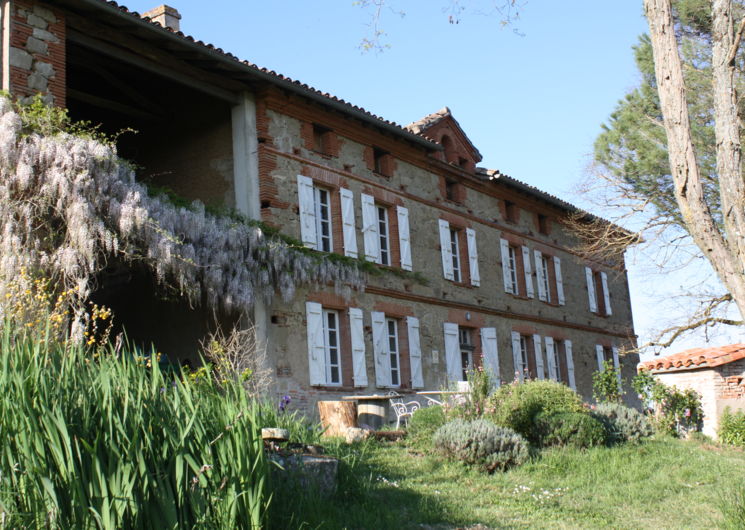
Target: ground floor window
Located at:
point(466, 351)
point(393, 351)
point(331, 336)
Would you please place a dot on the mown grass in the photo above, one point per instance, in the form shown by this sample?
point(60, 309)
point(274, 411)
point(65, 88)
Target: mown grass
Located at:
point(661, 483)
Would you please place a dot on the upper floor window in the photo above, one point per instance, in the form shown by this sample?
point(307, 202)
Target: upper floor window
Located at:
point(597, 292)
point(322, 139)
point(382, 162)
point(511, 212)
point(451, 190)
point(383, 235)
point(543, 224)
point(455, 253)
point(544, 278)
point(314, 207)
point(510, 259)
point(322, 204)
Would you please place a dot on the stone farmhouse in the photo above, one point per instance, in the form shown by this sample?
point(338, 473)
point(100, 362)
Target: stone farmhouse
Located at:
point(477, 267)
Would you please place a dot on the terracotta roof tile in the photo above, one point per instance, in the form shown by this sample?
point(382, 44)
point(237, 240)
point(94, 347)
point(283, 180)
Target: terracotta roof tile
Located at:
point(696, 358)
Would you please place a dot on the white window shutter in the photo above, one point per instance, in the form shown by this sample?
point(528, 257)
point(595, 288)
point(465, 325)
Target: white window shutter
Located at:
point(606, 293)
point(404, 244)
point(370, 229)
point(551, 358)
point(570, 364)
point(539, 275)
point(447, 253)
point(307, 207)
point(491, 353)
point(452, 352)
point(415, 352)
point(517, 359)
point(559, 281)
point(505, 246)
point(349, 228)
point(473, 256)
point(316, 343)
point(600, 356)
point(617, 366)
point(380, 350)
point(528, 273)
point(357, 333)
point(591, 290)
point(539, 366)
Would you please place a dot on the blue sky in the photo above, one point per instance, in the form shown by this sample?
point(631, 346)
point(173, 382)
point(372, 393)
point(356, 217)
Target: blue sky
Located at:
point(531, 103)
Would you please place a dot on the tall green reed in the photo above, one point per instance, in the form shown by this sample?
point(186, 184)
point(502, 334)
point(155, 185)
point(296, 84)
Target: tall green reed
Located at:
point(114, 442)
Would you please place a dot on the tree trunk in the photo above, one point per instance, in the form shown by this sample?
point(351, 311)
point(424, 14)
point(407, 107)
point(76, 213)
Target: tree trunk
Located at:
point(723, 250)
point(337, 416)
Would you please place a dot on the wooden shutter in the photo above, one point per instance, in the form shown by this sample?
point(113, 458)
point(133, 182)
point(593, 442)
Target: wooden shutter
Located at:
point(357, 332)
point(570, 364)
point(491, 353)
point(447, 253)
point(539, 366)
point(452, 352)
point(517, 360)
point(316, 343)
point(591, 290)
point(370, 229)
point(307, 207)
point(606, 293)
point(528, 273)
point(505, 246)
point(380, 350)
point(551, 358)
point(559, 281)
point(600, 356)
point(617, 366)
point(349, 228)
point(415, 352)
point(473, 256)
point(539, 275)
point(404, 244)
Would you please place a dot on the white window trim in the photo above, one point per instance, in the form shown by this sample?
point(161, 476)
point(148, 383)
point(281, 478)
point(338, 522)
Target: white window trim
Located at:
point(327, 347)
point(320, 220)
point(404, 240)
point(445, 250)
point(473, 257)
point(455, 253)
point(528, 272)
point(393, 353)
point(349, 228)
point(512, 269)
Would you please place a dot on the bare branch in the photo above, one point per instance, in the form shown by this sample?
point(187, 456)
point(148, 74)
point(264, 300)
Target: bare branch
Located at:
point(736, 43)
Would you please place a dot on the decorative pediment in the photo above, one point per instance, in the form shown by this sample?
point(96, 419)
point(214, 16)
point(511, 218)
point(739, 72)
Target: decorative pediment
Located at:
point(443, 128)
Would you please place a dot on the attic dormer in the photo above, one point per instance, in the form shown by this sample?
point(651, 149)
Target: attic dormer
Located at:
point(443, 128)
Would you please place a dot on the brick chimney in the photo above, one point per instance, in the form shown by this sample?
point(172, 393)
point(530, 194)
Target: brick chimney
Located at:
point(166, 16)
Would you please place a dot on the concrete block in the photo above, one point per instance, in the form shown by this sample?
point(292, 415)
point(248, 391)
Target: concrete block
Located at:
point(45, 69)
point(20, 58)
point(45, 35)
point(37, 21)
point(34, 45)
point(44, 13)
point(37, 82)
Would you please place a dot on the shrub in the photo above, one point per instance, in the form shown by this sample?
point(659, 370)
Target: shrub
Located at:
point(516, 405)
point(575, 429)
point(732, 427)
point(606, 386)
point(423, 424)
point(676, 411)
point(622, 423)
point(481, 443)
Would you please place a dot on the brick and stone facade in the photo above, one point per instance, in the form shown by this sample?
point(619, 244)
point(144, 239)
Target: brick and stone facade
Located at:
point(717, 374)
point(435, 205)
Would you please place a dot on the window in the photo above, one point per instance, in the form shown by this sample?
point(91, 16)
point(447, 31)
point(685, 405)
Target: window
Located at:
point(331, 337)
point(598, 292)
point(383, 235)
point(393, 351)
point(544, 277)
point(511, 212)
point(512, 269)
point(466, 351)
point(321, 139)
point(543, 224)
point(455, 250)
point(322, 200)
point(381, 162)
point(524, 357)
point(451, 190)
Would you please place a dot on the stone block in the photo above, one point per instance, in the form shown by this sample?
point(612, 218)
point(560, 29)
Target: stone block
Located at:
point(37, 82)
point(356, 434)
point(37, 21)
point(20, 58)
point(45, 69)
point(308, 472)
point(44, 13)
point(34, 45)
point(45, 35)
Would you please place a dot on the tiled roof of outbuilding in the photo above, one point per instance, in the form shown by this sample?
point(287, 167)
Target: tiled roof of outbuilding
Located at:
point(695, 358)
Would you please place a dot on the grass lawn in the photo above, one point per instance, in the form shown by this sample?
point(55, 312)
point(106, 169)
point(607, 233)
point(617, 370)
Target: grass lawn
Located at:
point(661, 483)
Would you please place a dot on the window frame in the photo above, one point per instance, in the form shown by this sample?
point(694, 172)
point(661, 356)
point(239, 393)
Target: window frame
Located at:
point(512, 263)
point(321, 139)
point(384, 234)
point(455, 251)
point(466, 348)
point(525, 356)
point(328, 348)
point(546, 277)
point(318, 206)
point(394, 350)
